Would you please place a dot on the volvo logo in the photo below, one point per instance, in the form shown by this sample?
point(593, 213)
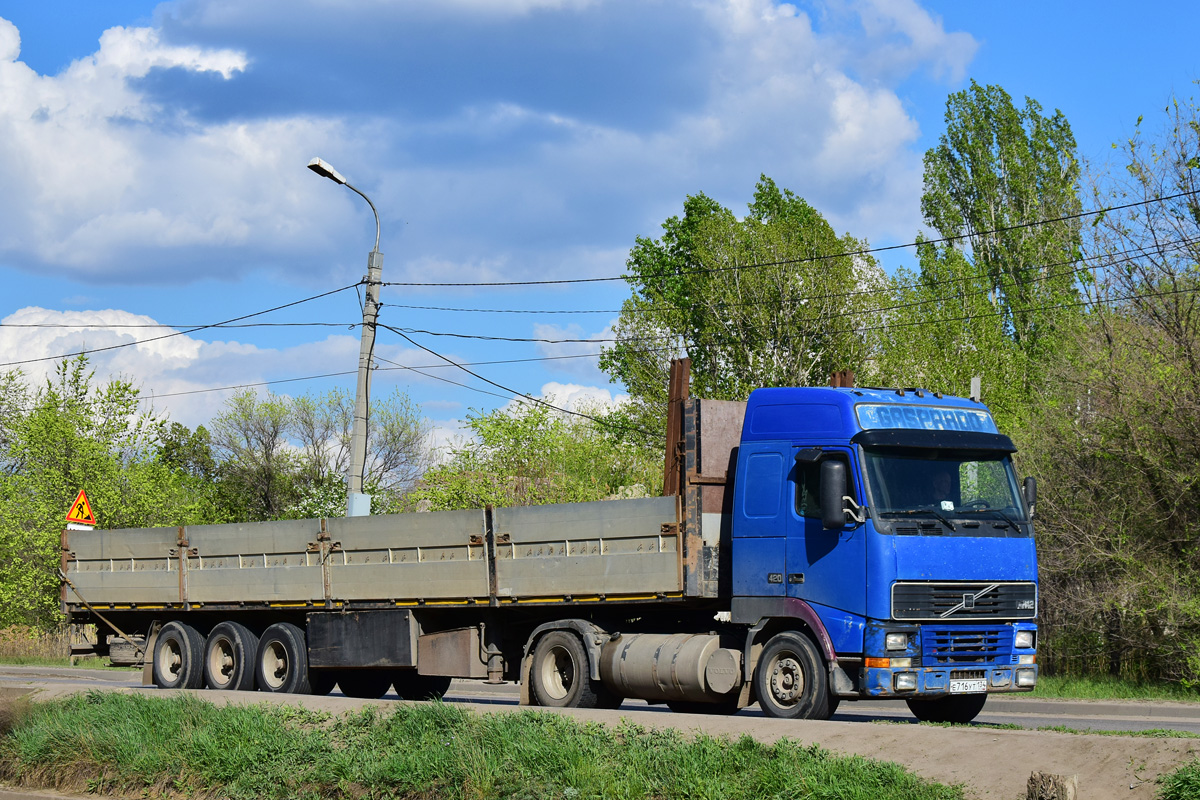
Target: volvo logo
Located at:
point(968, 600)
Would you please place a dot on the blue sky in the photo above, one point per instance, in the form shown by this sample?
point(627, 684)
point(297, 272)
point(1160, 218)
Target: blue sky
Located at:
point(155, 158)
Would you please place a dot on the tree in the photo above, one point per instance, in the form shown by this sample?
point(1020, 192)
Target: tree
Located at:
point(997, 297)
point(1119, 427)
point(532, 455)
point(775, 298)
point(65, 436)
point(282, 457)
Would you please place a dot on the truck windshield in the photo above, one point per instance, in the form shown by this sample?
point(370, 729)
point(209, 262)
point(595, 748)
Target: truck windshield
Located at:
point(957, 491)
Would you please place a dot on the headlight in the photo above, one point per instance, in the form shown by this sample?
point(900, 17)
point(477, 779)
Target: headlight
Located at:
point(896, 641)
point(901, 663)
point(1023, 640)
point(1026, 677)
point(905, 681)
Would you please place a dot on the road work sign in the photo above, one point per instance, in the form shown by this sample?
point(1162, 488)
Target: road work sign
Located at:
point(81, 510)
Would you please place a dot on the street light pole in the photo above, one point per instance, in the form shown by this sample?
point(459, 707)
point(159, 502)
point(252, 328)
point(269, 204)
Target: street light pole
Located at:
point(357, 503)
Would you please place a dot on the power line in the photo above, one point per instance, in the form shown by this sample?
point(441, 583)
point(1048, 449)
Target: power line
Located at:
point(178, 333)
point(194, 326)
point(514, 392)
point(812, 259)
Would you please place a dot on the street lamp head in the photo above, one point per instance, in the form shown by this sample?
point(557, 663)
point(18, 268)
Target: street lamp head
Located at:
point(321, 168)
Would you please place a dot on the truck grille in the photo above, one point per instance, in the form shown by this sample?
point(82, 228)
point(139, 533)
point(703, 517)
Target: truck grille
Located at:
point(964, 600)
point(952, 647)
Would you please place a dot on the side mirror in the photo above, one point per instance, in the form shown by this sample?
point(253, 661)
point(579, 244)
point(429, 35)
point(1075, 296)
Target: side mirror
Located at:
point(1029, 489)
point(833, 488)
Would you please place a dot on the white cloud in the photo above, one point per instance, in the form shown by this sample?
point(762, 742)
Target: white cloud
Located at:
point(175, 373)
point(113, 177)
point(102, 181)
point(10, 41)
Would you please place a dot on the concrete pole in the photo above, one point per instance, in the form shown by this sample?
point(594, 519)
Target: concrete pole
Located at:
point(358, 504)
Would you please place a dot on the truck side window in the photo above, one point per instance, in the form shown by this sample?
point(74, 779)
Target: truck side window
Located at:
point(808, 485)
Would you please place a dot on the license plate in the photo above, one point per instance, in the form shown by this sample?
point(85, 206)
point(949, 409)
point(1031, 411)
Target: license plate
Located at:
point(977, 686)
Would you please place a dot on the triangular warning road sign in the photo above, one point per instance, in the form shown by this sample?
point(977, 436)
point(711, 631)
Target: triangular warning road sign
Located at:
point(81, 510)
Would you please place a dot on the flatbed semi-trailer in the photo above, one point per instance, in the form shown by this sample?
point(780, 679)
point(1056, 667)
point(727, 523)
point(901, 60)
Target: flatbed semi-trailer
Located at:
point(790, 564)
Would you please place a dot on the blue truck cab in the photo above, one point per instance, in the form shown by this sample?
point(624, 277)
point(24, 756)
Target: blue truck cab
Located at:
point(892, 520)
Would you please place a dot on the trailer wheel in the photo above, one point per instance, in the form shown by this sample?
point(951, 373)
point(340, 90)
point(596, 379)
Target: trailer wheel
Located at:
point(282, 662)
point(411, 685)
point(178, 657)
point(560, 677)
point(790, 680)
point(229, 657)
point(365, 684)
point(961, 708)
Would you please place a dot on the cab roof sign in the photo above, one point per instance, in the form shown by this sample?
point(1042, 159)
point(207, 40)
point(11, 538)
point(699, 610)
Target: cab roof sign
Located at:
point(877, 416)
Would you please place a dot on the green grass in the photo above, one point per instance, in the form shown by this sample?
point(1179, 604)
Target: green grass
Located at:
point(1103, 688)
point(109, 742)
point(40, 661)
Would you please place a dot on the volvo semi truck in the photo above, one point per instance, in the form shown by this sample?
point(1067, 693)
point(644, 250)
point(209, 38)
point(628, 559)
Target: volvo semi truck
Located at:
point(813, 545)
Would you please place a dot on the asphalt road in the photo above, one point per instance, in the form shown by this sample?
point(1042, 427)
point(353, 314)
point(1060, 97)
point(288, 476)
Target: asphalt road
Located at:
point(991, 763)
point(1024, 711)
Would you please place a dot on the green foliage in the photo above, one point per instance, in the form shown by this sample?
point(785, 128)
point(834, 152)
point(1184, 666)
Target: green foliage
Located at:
point(1118, 428)
point(789, 319)
point(128, 744)
point(997, 299)
point(531, 455)
point(69, 435)
point(280, 457)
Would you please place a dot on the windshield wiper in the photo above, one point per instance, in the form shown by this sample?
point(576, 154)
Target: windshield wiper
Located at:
point(922, 512)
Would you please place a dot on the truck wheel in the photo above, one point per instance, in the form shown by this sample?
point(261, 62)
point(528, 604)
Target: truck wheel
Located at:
point(411, 685)
point(366, 684)
point(282, 662)
point(229, 657)
point(560, 676)
point(727, 706)
point(790, 680)
point(178, 657)
point(322, 681)
point(961, 708)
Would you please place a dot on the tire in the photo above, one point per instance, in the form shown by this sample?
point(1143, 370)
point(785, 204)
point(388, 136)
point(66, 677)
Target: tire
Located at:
point(411, 685)
point(282, 663)
point(790, 681)
point(229, 657)
point(957, 708)
point(560, 677)
point(725, 707)
point(322, 681)
point(365, 684)
point(178, 657)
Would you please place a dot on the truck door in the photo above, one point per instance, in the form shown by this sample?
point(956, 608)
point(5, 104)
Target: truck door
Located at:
point(825, 567)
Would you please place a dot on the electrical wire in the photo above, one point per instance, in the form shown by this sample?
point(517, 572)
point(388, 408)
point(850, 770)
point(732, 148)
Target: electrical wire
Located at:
point(177, 333)
point(813, 259)
point(514, 392)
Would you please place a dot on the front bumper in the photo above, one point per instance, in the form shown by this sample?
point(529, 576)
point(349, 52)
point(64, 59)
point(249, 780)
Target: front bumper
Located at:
point(936, 681)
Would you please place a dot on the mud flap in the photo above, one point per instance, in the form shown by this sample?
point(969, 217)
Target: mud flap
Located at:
point(840, 683)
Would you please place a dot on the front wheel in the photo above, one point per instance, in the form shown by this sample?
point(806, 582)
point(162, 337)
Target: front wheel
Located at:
point(282, 662)
point(790, 680)
point(958, 708)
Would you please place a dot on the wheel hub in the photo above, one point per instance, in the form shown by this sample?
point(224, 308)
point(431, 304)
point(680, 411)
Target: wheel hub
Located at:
point(787, 680)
